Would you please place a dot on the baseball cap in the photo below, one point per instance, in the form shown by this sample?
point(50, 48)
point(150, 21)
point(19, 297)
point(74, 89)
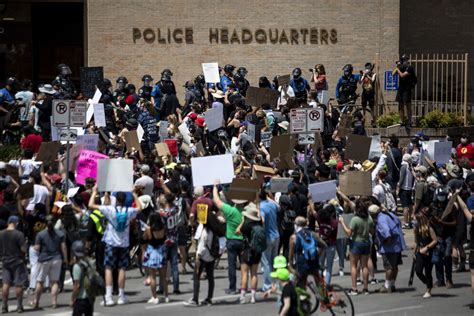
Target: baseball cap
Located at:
point(78, 249)
point(421, 169)
point(281, 274)
point(373, 209)
point(13, 219)
point(279, 262)
point(198, 191)
point(145, 168)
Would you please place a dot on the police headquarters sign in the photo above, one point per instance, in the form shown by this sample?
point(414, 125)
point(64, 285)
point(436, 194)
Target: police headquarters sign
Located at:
point(292, 36)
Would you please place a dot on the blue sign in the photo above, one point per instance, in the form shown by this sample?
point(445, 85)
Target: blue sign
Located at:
point(390, 81)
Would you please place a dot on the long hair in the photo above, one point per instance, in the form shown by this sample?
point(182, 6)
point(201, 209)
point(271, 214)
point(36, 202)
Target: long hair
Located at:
point(423, 229)
point(361, 209)
point(156, 222)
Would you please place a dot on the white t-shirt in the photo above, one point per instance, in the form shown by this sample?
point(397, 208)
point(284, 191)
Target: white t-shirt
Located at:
point(285, 94)
point(27, 165)
point(111, 236)
point(41, 195)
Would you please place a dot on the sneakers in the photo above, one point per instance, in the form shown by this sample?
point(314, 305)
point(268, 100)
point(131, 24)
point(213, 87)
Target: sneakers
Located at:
point(123, 300)
point(393, 288)
point(207, 302)
point(167, 299)
point(359, 282)
point(177, 292)
point(427, 295)
point(252, 300)
point(365, 291)
point(231, 292)
point(341, 273)
point(4, 309)
point(374, 281)
point(449, 285)
point(153, 300)
point(242, 300)
point(353, 292)
point(108, 302)
point(383, 289)
point(191, 303)
point(20, 309)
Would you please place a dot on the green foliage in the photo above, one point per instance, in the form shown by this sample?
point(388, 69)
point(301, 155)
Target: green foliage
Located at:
point(438, 119)
point(388, 119)
point(9, 152)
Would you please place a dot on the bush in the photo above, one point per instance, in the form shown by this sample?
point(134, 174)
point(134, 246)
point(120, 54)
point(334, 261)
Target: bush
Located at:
point(438, 119)
point(389, 119)
point(9, 152)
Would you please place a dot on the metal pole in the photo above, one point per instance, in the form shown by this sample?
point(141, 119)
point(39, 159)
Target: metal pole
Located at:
point(67, 160)
point(465, 88)
point(306, 162)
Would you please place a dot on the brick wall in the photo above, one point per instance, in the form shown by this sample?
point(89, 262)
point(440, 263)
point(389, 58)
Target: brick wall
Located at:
point(364, 28)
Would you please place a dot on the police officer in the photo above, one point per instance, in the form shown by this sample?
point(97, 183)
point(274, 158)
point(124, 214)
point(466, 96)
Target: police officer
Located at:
point(7, 94)
point(162, 88)
point(300, 85)
point(146, 89)
point(347, 85)
point(107, 99)
point(120, 85)
point(199, 85)
point(240, 81)
point(226, 79)
point(65, 84)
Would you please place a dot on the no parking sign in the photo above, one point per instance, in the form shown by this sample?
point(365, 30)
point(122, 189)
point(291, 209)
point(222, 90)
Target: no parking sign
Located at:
point(306, 120)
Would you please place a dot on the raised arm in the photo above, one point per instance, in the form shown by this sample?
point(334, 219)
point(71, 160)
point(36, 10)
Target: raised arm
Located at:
point(215, 196)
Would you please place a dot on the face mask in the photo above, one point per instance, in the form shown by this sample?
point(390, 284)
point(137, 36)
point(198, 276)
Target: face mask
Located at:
point(297, 228)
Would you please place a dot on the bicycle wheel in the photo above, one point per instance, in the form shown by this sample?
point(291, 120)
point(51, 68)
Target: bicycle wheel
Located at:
point(314, 296)
point(191, 256)
point(339, 301)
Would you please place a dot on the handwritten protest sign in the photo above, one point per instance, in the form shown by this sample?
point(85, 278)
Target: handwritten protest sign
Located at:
point(322, 191)
point(280, 184)
point(88, 141)
point(356, 183)
point(205, 170)
point(375, 149)
point(211, 72)
point(87, 165)
point(99, 115)
point(108, 171)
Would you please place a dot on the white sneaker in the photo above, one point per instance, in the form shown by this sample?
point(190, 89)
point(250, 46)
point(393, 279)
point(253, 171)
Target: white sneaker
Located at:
point(427, 295)
point(108, 302)
point(123, 300)
point(167, 299)
point(341, 273)
point(324, 273)
point(153, 300)
point(242, 300)
point(252, 300)
point(68, 281)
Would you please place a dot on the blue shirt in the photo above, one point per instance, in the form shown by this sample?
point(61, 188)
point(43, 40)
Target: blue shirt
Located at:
point(389, 233)
point(269, 212)
point(225, 81)
point(157, 95)
point(470, 202)
point(340, 82)
point(5, 96)
point(299, 85)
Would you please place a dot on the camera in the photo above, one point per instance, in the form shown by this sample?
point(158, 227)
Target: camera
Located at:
point(311, 70)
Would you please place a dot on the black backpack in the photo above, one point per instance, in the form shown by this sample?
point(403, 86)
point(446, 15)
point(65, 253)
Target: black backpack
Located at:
point(215, 249)
point(428, 196)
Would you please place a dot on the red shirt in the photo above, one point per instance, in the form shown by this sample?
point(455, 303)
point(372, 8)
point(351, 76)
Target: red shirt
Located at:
point(32, 142)
point(467, 151)
point(202, 200)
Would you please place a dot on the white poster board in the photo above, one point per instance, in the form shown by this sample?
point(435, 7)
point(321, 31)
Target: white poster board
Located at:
point(375, 150)
point(205, 170)
point(163, 129)
point(323, 191)
point(280, 184)
point(442, 152)
point(115, 175)
point(88, 141)
point(99, 115)
point(211, 72)
point(214, 118)
point(184, 130)
point(140, 132)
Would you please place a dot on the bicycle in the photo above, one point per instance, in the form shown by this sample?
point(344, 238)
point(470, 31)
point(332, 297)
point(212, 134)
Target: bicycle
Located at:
point(136, 258)
point(332, 298)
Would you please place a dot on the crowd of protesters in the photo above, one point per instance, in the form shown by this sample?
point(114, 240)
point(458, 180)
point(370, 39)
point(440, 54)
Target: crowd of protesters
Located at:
point(60, 232)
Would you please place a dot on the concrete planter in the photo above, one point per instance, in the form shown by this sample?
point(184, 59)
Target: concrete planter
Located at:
point(432, 133)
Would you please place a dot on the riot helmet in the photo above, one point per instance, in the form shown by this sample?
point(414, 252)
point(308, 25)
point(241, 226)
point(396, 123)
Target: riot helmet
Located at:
point(12, 82)
point(147, 80)
point(167, 72)
point(441, 195)
point(369, 66)
point(121, 82)
point(348, 69)
point(296, 73)
point(132, 123)
point(199, 80)
point(64, 70)
point(242, 71)
point(229, 69)
point(404, 59)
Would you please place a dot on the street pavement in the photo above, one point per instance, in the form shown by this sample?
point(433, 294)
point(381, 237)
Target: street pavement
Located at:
point(407, 300)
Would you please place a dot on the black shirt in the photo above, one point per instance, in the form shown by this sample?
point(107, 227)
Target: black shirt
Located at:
point(407, 82)
point(290, 291)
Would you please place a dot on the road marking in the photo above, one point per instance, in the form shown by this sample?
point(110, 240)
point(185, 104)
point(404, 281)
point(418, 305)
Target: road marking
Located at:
point(180, 303)
point(392, 310)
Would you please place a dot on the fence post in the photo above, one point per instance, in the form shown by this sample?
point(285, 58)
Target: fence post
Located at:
point(465, 88)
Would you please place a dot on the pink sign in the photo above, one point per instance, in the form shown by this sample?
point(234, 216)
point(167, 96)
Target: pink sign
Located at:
point(87, 165)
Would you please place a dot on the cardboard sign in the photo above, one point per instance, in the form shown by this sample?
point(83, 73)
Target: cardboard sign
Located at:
point(285, 161)
point(162, 149)
point(375, 149)
point(266, 139)
point(48, 151)
point(91, 77)
point(440, 151)
point(163, 132)
point(200, 151)
point(140, 132)
point(104, 137)
point(281, 144)
point(280, 184)
point(109, 169)
point(184, 130)
point(96, 98)
point(344, 127)
point(99, 115)
point(74, 153)
point(244, 189)
point(88, 141)
point(358, 147)
point(356, 183)
point(211, 72)
point(258, 96)
point(13, 172)
point(26, 191)
point(214, 118)
point(323, 191)
point(205, 170)
point(259, 172)
point(131, 140)
point(284, 80)
point(172, 145)
point(87, 166)
point(201, 210)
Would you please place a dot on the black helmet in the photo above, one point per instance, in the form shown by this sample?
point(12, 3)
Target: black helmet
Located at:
point(64, 69)
point(147, 77)
point(242, 71)
point(106, 83)
point(132, 123)
point(200, 79)
point(404, 58)
point(122, 79)
point(348, 69)
point(229, 68)
point(369, 66)
point(296, 73)
point(166, 77)
point(441, 194)
point(12, 81)
point(167, 72)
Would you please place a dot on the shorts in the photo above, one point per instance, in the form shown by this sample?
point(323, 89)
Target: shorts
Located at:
point(471, 259)
point(250, 257)
point(403, 96)
point(368, 100)
point(16, 275)
point(116, 257)
point(360, 247)
point(392, 260)
point(406, 198)
point(51, 268)
point(182, 236)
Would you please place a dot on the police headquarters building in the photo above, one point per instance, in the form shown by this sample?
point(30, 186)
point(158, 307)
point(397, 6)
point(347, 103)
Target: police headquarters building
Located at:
point(137, 37)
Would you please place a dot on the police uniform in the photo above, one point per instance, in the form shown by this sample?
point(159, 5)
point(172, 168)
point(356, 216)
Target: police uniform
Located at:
point(67, 86)
point(145, 92)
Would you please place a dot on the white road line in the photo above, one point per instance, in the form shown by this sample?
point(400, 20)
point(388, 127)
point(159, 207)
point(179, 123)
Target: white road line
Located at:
point(392, 310)
point(180, 303)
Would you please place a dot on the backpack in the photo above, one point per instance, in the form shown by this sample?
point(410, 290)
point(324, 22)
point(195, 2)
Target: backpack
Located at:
point(121, 219)
point(308, 245)
point(428, 196)
point(389, 203)
point(215, 249)
point(274, 127)
point(93, 283)
point(303, 300)
point(288, 220)
point(258, 239)
point(99, 220)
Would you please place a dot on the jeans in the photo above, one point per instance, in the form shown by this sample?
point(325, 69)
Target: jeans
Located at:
point(341, 252)
point(234, 251)
point(446, 263)
point(424, 263)
point(173, 258)
point(267, 262)
point(327, 256)
point(209, 266)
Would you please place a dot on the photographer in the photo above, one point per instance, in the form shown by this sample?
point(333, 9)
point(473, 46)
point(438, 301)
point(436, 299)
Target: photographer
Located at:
point(320, 82)
point(367, 80)
point(407, 82)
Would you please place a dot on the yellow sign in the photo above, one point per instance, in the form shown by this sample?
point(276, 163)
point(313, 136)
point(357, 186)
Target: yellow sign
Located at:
point(202, 213)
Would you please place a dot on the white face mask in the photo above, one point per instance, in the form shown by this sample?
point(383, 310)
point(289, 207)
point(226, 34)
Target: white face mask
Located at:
point(297, 228)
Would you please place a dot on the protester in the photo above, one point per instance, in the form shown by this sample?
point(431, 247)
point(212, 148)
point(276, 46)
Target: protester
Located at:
point(81, 302)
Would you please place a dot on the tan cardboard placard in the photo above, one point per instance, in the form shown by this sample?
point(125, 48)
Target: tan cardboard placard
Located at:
point(258, 96)
point(26, 191)
point(131, 141)
point(358, 147)
point(285, 161)
point(344, 127)
point(162, 149)
point(284, 80)
point(243, 189)
point(356, 183)
point(48, 151)
point(281, 145)
point(259, 172)
point(200, 149)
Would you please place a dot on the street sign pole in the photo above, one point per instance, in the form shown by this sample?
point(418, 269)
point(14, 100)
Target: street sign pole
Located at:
point(67, 152)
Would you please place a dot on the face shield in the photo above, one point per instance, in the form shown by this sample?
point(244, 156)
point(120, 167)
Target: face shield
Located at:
point(120, 85)
point(66, 71)
point(147, 82)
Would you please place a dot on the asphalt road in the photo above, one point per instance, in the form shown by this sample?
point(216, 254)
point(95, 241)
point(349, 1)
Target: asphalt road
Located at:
point(407, 301)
